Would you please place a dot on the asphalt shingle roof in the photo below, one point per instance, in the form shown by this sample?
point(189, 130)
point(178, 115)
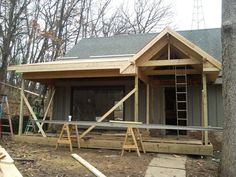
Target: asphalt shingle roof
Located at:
point(207, 39)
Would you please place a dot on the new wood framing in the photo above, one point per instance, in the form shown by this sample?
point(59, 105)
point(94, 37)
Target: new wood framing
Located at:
point(154, 62)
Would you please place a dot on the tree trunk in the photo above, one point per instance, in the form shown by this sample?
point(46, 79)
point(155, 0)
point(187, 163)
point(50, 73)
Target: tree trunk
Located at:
point(228, 162)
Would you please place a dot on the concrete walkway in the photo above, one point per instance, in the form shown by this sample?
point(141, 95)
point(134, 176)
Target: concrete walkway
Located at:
point(167, 166)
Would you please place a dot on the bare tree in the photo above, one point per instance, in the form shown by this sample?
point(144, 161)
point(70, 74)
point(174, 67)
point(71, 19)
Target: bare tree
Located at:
point(229, 86)
point(11, 20)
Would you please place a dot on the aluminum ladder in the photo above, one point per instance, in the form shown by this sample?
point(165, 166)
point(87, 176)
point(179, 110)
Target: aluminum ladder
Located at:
point(181, 90)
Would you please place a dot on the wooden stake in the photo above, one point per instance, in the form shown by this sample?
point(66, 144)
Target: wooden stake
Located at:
point(205, 111)
point(21, 107)
point(110, 111)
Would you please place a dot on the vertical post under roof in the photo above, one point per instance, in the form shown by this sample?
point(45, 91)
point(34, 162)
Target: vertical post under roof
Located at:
point(147, 104)
point(204, 108)
point(21, 107)
point(136, 97)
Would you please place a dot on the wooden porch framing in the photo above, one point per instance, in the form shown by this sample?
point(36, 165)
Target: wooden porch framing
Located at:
point(158, 58)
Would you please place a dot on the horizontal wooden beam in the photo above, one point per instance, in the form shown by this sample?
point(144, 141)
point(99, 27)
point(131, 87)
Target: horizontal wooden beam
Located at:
point(72, 74)
point(68, 66)
point(172, 62)
point(209, 70)
point(171, 72)
point(160, 145)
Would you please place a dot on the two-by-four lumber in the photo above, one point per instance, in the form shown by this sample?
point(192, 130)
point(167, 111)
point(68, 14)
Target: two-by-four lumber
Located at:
point(33, 115)
point(170, 72)
point(88, 165)
point(147, 104)
point(109, 112)
point(204, 106)
point(21, 107)
point(136, 104)
point(12, 86)
point(172, 62)
point(49, 104)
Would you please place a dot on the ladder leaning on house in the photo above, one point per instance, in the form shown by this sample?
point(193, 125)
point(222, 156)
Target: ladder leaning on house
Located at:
point(5, 117)
point(181, 90)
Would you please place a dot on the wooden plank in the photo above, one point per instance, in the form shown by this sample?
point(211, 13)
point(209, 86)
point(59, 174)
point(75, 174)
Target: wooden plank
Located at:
point(170, 72)
point(65, 66)
point(109, 112)
point(21, 107)
point(125, 122)
point(161, 147)
point(91, 168)
point(205, 111)
point(8, 169)
point(26, 91)
point(49, 104)
point(33, 115)
point(172, 62)
point(147, 104)
point(136, 97)
point(73, 74)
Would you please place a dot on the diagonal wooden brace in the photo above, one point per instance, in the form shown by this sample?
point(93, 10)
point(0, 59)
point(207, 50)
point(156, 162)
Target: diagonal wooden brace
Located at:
point(33, 115)
point(110, 111)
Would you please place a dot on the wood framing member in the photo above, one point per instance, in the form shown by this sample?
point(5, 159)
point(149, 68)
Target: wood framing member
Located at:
point(21, 107)
point(26, 91)
point(33, 115)
point(172, 62)
point(91, 168)
point(49, 104)
point(136, 99)
point(162, 146)
point(170, 72)
point(204, 108)
point(109, 112)
point(147, 104)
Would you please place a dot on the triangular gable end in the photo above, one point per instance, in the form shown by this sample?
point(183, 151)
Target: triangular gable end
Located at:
point(210, 64)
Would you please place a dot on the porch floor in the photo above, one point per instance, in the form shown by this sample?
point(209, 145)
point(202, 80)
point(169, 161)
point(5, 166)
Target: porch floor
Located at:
point(165, 144)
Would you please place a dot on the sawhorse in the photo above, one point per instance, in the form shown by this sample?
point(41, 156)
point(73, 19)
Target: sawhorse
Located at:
point(133, 140)
point(68, 129)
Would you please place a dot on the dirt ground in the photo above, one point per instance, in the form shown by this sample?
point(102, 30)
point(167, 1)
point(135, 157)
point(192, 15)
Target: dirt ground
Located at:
point(48, 162)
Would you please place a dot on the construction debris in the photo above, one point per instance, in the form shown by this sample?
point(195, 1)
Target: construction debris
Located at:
point(7, 167)
point(88, 165)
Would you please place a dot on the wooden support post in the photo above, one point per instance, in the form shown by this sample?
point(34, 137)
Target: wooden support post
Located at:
point(147, 105)
point(110, 111)
point(204, 108)
point(33, 115)
point(21, 107)
point(136, 99)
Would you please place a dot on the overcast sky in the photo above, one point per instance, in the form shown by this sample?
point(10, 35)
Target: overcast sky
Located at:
point(182, 10)
point(183, 13)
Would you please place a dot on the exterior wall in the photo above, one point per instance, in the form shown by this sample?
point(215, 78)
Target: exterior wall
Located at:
point(215, 105)
point(62, 98)
point(62, 101)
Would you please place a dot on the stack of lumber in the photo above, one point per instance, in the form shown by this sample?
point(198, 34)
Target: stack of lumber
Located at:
point(7, 167)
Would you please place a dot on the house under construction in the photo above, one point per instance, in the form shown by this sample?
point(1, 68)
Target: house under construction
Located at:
point(160, 78)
